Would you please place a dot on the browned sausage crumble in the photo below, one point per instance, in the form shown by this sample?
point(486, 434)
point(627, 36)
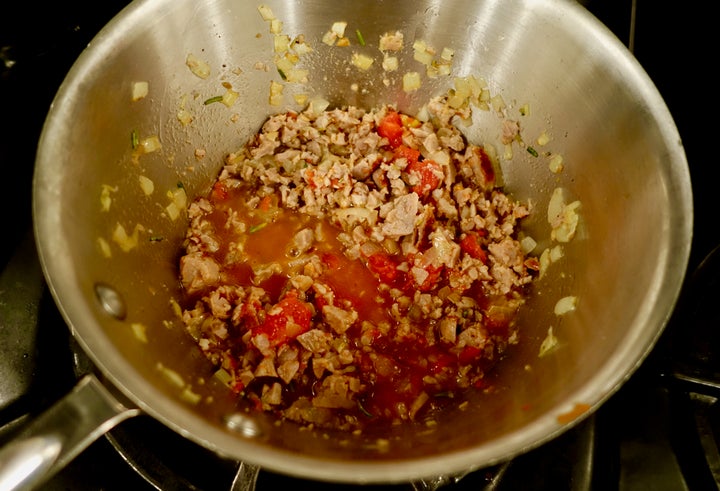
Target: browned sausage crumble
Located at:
point(355, 267)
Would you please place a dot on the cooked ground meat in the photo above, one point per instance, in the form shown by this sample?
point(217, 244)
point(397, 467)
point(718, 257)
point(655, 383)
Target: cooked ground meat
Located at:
point(355, 267)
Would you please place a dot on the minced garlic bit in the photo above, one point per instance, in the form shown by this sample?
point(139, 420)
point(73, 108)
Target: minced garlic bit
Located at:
point(197, 66)
point(565, 305)
point(390, 63)
point(139, 90)
point(549, 343)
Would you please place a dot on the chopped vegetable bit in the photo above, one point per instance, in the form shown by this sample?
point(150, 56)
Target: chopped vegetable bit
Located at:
point(211, 100)
point(532, 151)
point(197, 66)
point(139, 90)
point(146, 185)
point(104, 247)
point(411, 81)
point(105, 199)
point(125, 241)
point(140, 331)
point(276, 93)
point(134, 140)
point(565, 305)
point(149, 145)
point(549, 343)
point(363, 62)
point(266, 12)
point(360, 37)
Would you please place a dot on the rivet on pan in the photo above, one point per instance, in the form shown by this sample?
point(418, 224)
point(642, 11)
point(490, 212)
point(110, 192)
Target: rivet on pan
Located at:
point(110, 300)
point(240, 423)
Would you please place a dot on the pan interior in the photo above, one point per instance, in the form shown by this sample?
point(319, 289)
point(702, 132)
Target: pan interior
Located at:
point(622, 159)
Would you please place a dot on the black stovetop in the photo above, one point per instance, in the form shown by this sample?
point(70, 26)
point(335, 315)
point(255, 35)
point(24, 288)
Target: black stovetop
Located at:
point(657, 432)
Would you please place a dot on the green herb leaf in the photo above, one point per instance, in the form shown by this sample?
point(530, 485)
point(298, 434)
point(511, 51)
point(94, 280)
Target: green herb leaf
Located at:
point(532, 151)
point(134, 140)
point(364, 411)
point(257, 227)
point(157, 238)
point(180, 185)
point(217, 98)
point(282, 74)
point(360, 37)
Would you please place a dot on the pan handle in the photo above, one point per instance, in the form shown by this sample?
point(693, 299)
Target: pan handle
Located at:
point(59, 434)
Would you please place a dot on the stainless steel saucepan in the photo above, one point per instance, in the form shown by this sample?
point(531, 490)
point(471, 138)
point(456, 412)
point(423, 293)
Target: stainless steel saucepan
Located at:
point(559, 71)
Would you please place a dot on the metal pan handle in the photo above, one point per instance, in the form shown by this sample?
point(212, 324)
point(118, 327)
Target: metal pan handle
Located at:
point(59, 434)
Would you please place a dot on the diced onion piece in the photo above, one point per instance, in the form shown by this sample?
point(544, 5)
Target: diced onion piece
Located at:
point(329, 38)
point(125, 241)
point(300, 99)
point(281, 43)
point(549, 343)
point(223, 376)
point(171, 375)
point(411, 81)
point(297, 75)
point(105, 198)
point(184, 116)
point(104, 247)
point(556, 163)
point(139, 90)
point(528, 244)
point(146, 185)
point(189, 396)
point(266, 12)
point(140, 331)
point(338, 28)
point(555, 206)
point(565, 305)
point(565, 231)
point(363, 62)
point(150, 144)
point(317, 105)
point(229, 97)
point(178, 202)
point(276, 93)
point(197, 66)
point(525, 110)
point(424, 57)
point(556, 253)
point(276, 26)
point(543, 139)
point(447, 54)
point(390, 63)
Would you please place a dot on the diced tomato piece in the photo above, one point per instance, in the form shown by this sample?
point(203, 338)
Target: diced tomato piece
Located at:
point(330, 260)
point(428, 172)
point(219, 192)
point(290, 318)
point(265, 203)
point(486, 166)
point(469, 354)
point(471, 245)
point(412, 155)
point(391, 127)
point(383, 266)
